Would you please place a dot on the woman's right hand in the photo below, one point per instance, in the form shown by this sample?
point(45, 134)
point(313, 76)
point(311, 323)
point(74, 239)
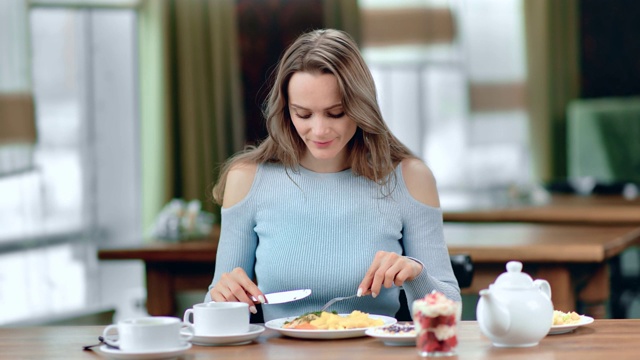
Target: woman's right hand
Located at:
point(236, 286)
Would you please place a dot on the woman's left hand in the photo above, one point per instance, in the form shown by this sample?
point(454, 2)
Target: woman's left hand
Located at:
point(388, 269)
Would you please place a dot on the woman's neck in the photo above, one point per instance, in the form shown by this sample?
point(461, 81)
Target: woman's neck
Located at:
point(333, 165)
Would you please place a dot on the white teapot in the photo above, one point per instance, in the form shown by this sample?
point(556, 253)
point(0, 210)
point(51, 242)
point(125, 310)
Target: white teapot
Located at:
point(515, 311)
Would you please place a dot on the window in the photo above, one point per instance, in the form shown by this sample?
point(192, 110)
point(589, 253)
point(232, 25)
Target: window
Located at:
point(83, 190)
point(451, 76)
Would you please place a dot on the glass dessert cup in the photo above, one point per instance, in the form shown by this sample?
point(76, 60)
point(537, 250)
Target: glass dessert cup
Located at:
point(436, 323)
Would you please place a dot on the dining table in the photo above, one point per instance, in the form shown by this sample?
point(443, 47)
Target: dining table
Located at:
point(602, 339)
point(554, 208)
point(572, 258)
point(604, 207)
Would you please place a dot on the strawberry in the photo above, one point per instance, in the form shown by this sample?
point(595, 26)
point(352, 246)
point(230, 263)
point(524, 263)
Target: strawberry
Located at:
point(452, 341)
point(444, 347)
point(426, 322)
point(447, 320)
point(431, 342)
point(431, 346)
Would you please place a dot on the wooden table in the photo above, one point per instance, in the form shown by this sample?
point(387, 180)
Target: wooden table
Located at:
point(565, 209)
point(171, 268)
point(572, 258)
point(600, 210)
point(603, 339)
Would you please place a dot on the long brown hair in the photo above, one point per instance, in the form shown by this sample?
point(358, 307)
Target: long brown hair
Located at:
point(374, 150)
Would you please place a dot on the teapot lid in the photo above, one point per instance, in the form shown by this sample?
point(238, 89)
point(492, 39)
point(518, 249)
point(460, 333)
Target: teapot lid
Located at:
point(514, 278)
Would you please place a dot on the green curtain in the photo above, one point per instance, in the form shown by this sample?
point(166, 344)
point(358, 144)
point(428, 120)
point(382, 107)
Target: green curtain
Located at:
point(191, 111)
point(343, 15)
point(552, 39)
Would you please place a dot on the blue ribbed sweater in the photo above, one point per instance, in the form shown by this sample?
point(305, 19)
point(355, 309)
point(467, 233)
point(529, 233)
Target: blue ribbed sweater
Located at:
point(321, 231)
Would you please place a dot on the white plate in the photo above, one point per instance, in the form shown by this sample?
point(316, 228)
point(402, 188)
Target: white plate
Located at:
point(143, 355)
point(562, 329)
point(393, 339)
point(324, 334)
point(233, 339)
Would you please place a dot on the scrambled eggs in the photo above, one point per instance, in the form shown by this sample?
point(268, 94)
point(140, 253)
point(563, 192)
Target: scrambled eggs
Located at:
point(561, 318)
point(333, 321)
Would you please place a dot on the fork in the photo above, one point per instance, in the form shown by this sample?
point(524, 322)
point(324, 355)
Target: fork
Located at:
point(335, 300)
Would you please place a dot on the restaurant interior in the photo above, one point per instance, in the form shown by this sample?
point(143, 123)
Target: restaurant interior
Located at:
point(115, 116)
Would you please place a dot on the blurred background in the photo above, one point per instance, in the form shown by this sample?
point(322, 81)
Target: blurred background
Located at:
point(109, 109)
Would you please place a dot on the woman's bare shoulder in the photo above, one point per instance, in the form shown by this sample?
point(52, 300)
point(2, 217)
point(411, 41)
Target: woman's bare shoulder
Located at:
point(239, 180)
point(420, 181)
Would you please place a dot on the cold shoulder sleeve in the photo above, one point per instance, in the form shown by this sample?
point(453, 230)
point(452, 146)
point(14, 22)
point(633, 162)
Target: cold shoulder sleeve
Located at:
point(238, 240)
point(423, 240)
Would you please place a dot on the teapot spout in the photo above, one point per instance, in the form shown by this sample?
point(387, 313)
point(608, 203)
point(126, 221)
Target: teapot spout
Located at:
point(493, 314)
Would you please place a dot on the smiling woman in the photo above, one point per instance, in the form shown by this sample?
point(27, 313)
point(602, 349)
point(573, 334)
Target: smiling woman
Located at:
point(331, 193)
point(316, 110)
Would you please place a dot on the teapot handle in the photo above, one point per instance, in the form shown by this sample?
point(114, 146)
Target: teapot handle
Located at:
point(544, 286)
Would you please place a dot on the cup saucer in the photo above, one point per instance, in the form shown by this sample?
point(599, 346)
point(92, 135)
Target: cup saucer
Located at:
point(231, 339)
point(143, 355)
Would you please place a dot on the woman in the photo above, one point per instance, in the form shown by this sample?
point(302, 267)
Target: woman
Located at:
point(330, 200)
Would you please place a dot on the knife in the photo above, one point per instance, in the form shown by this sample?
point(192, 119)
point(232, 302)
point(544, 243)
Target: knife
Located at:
point(285, 296)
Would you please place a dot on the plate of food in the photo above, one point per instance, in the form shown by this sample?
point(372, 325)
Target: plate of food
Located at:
point(399, 334)
point(567, 322)
point(329, 325)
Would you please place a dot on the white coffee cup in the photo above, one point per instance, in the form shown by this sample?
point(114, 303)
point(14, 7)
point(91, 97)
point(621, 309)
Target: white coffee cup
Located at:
point(151, 333)
point(219, 318)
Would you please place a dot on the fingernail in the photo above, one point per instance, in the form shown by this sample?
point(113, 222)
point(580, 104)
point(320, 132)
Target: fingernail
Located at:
point(253, 309)
point(261, 299)
point(373, 294)
point(359, 293)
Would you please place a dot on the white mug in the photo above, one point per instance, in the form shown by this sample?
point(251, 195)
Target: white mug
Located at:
point(219, 318)
point(150, 333)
